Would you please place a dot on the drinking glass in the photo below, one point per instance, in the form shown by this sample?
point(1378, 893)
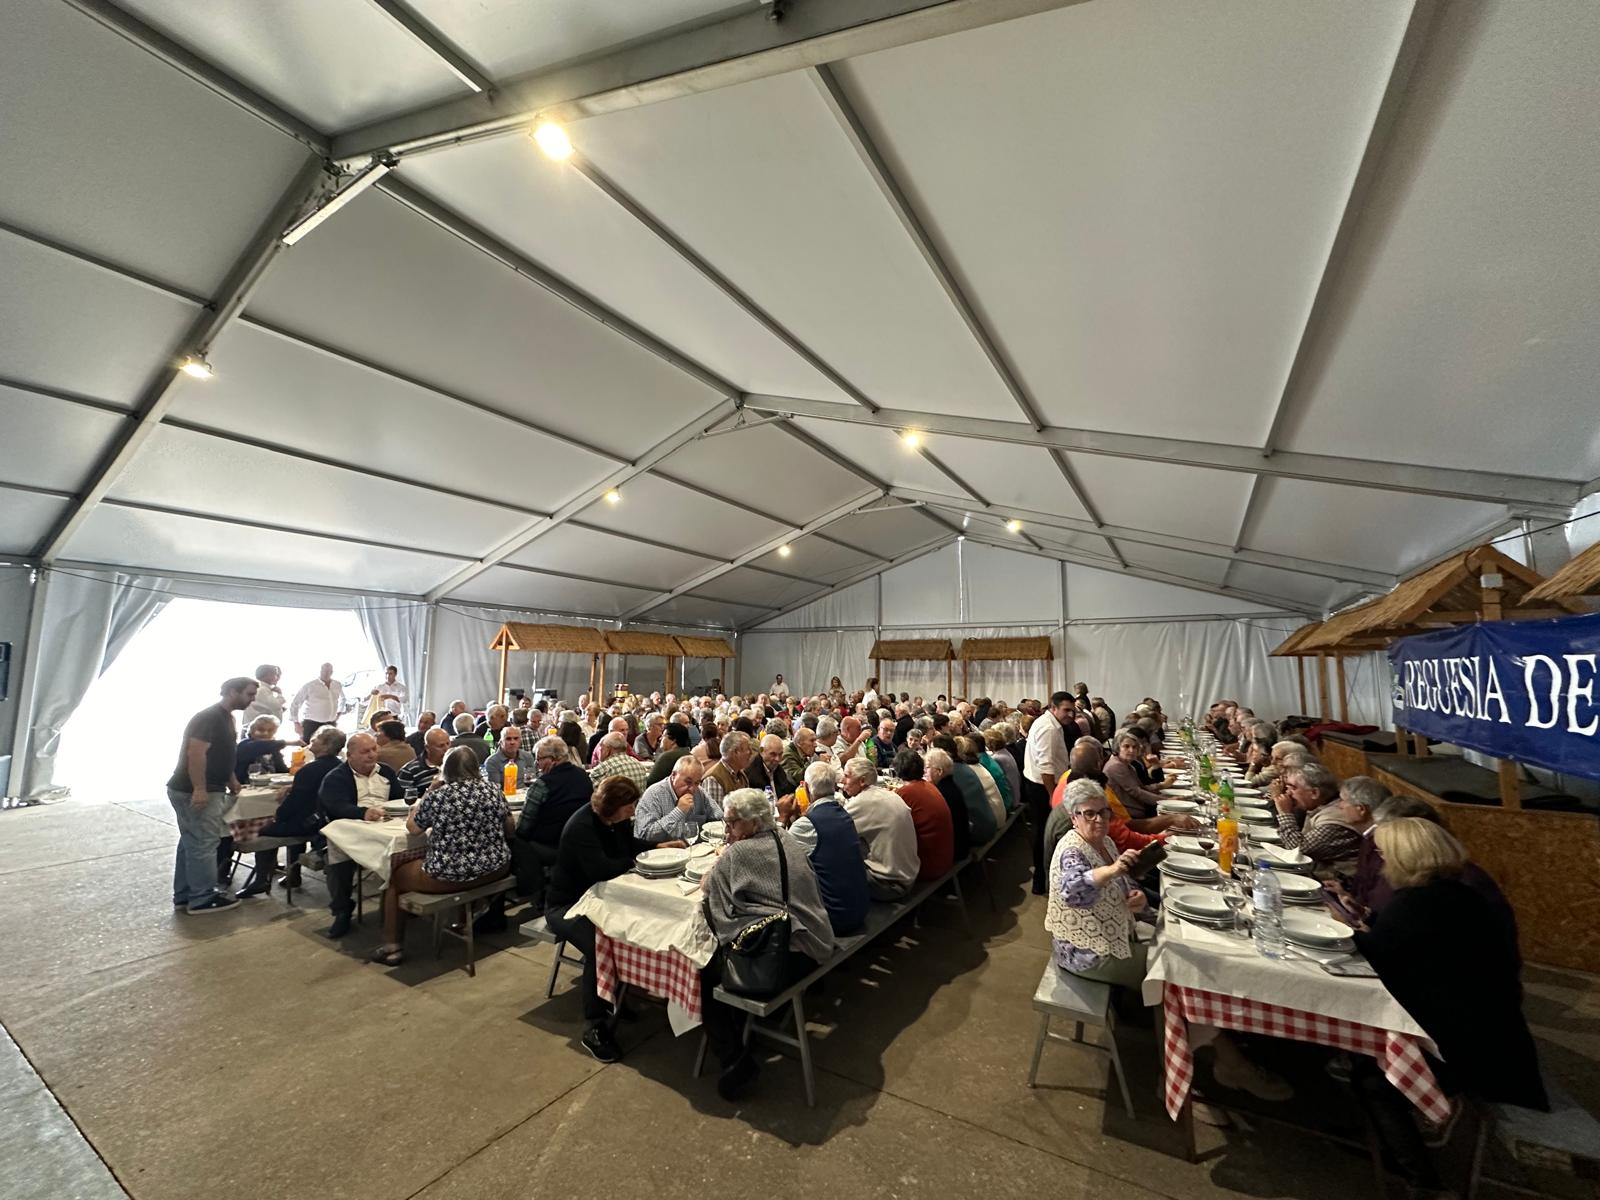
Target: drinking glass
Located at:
point(1235, 897)
point(691, 832)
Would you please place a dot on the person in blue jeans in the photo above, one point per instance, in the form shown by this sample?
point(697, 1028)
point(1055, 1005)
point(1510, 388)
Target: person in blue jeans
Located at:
point(198, 792)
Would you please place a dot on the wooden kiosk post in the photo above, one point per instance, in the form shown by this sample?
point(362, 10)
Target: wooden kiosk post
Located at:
point(545, 639)
point(707, 647)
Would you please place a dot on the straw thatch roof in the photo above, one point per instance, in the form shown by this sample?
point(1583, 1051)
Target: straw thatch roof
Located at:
point(1291, 646)
point(704, 647)
point(550, 639)
point(1005, 649)
point(1447, 593)
point(912, 650)
point(1580, 577)
point(633, 641)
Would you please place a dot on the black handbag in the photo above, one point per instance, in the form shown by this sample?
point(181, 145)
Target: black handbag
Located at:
point(756, 961)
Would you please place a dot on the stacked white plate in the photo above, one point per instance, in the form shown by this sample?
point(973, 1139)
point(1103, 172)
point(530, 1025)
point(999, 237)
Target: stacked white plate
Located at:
point(661, 863)
point(1180, 808)
point(1285, 859)
point(1251, 815)
point(1200, 905)
point(1241, 790)
point(1191, 868)
point(714, 831)
point(1185, 844)
point(1262, 833)
point(701, 859)
point(1300, 889)
point(395, 808)
point(1316, 932)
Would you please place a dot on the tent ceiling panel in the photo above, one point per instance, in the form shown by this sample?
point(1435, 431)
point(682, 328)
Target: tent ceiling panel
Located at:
point(49, 443)
point(1176, 562)
point(135, 129)
point(1478, 288)
point(696, 610)
point(1388, 531)
point(1174, 498)
point(880, 453)
point(818, 559)
point(390, 285)
point(593, 553)
point(179, 468)
point(335, 65)
point(267, 384)
point(888, 532)
point(67, 325)
point(551, 593)
point(1186, 202)
point(758, 179)
point(753, 461)
point(1017, 475)
point(1289, 584)
point(510, 39)
point(658, 508)
point(168, 542)
point(1108, 595)
point(554, 216)
point(28, 516)
point(745, 586)
point(1005, 585)
point(1050, 539)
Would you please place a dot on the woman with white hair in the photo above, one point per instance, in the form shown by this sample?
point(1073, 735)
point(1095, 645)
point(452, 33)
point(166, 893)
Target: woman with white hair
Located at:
point(938, 768)
point(763, 874)
point(1093, 900)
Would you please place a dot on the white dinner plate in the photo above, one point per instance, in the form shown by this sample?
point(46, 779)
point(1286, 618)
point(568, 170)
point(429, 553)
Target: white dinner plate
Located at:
point(1241, 790)
point(1198, 902)
point(1264, 833)
point(662, 859)
point(715, 831)
point(1191, 845)
point(1283, 856)
point(1301, 887)
point(1196, 865)
point(1314, 929)
point(1177, 806)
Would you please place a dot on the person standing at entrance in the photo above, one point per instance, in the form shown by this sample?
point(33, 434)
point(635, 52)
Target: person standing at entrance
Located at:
point(1044, 762)
point(198, 793)
point(318, 703)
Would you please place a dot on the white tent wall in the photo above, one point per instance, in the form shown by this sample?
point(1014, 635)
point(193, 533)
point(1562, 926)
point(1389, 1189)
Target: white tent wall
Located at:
point(16, 603)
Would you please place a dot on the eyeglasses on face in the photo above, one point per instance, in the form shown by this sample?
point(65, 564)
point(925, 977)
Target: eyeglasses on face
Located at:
point(1092, 814)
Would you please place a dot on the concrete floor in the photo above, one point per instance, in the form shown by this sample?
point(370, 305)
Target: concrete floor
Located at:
point(242, 1054)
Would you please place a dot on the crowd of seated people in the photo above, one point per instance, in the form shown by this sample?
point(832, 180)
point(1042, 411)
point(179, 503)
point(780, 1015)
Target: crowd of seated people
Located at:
point(848, 798)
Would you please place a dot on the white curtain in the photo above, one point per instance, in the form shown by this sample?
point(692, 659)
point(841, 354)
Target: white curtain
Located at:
point(808, 659)
point(461, 666)
point(398, 631)
point(89, 618)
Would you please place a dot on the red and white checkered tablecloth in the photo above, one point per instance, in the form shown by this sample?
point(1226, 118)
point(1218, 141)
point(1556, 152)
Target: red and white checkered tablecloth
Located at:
point(664, 973)
point(1399, 1054)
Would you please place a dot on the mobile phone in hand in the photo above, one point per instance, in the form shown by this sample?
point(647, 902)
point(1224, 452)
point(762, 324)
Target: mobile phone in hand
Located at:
point(1149, 857)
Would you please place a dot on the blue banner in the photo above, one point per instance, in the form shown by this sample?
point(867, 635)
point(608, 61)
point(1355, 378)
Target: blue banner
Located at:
point(1524, 690)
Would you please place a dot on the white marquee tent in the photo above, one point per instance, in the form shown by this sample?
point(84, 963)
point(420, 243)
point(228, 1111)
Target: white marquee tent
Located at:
point(1206, 318)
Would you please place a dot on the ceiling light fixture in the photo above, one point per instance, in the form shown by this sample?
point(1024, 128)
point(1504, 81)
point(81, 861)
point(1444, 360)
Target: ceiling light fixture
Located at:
point(553, 140)
point(784, 551)
point(196, 367)
point(613, 497)
point(911, 438)
point(1014, 525)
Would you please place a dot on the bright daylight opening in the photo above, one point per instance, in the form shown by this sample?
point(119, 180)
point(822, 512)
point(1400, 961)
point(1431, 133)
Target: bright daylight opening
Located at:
point(125, 734)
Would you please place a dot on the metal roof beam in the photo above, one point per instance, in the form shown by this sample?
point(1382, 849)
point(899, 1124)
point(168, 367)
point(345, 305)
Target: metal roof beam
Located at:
point(240, 283)
point(1340, 572)
point(852, 580)
point(436, 44)
point(1535, 494)
point(839, 512)
point(745, 46)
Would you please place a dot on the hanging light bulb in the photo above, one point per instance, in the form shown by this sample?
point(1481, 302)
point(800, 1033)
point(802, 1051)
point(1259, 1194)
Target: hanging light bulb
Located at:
point(553, 140)
point(1014, 525)
point(196, 367)
point(784, 551)
point(613, 497)
point(911, 438)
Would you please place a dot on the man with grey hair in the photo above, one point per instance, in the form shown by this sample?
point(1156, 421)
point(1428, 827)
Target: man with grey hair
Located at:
point(1328, 833)
point(511, 750)
point(671, 804)
point(838, 856)
point(886, 828)
point(829, 747)
point(728, 774)
point(766, 770)
point(614, 759)
point(463, 726)
point(648, 744)
point(615, 725)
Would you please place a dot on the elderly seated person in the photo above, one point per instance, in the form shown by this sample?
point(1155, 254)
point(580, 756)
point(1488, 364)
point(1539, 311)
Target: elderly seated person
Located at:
point(886, 828)
point(258, 746)
point(495, 718)
point(393, 749)
point(675, 807)
point(1139, 800)
point(969, 752)
point(355, 790)
point(1010, 796)
point(981, 819)
point(1314, 819)
point(1092, 899)
point(510, 751)
point(998, 739)
point(467, 821)
point(597, 843)
point(557, 788)
point(674, 746)
point(297, 814)
point(766, 771)
point(463, 726)
point(828, 835)
point(930, 816)
point(648, 744)
point(417, 776)
point(762, 871)
point(799, 754)
point(938, 771)
point(613, 759)
point(726, 775)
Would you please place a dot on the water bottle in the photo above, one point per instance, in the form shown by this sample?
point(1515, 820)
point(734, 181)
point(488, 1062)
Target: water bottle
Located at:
point(1267, 913)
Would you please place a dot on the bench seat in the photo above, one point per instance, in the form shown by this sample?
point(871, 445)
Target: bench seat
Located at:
point(440, 905)
point(1457, 781)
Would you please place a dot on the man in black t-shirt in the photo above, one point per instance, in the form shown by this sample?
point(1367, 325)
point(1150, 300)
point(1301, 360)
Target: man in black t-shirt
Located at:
point(197, 791)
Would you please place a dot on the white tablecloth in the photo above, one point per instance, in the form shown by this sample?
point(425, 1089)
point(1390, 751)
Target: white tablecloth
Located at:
point(658, 914)
point(372, 844)
point(1191, 956)
point(252, 803)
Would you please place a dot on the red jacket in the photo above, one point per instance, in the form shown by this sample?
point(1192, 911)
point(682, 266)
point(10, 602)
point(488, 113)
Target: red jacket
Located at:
point(936, 835)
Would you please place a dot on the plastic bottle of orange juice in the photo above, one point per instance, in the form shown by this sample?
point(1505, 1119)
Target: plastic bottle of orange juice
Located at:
point(297, 759)
point(510, 779)
point(1227, 842)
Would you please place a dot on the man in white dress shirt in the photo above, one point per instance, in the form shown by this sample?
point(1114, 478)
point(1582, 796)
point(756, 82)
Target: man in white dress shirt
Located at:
point(391, 693)
point(318, 703)
point(1043, 763)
